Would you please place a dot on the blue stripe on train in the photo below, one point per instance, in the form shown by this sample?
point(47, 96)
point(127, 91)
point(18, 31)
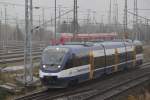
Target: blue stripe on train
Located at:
point(97, 73)
point(81, 77)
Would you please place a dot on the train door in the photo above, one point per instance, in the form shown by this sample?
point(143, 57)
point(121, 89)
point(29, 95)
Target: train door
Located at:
point(138, 55)
point(122, 57)
point(134, 56)
point(131, 55)
point(116, 60)
point(99, 61)
point(115, 57)
point(91, 67)
point(110, 60)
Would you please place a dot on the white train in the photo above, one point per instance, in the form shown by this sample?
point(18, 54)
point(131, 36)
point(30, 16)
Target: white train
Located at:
point(74, 63)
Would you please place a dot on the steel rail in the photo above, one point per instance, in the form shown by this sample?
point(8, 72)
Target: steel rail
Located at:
point(88, 91)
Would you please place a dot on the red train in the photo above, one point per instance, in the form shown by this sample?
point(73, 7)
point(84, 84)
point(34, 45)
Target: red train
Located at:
point(67, 37)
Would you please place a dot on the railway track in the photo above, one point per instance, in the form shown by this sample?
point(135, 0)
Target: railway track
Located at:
point(100, 89)
point(19, 46)
point(13, 60)
point(18, 55)
point(18, 52)
point(15, 52)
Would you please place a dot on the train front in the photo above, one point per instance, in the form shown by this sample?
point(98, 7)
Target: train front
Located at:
point(52, 65)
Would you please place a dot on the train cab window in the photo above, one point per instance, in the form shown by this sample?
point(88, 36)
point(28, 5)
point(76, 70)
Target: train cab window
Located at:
point(53, 57)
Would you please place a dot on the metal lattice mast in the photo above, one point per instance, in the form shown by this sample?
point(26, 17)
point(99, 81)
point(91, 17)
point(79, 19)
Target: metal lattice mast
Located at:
point(125, 17)
point(59, 14)
point(55, 21)
point(26, 39)
point(1, 35)
point(88, 16)
point(77, 28)
point(88, 21)
point(30, 38)
point(102, 21)
point(43, 14)
point(5, 34)
point(135, 19)
point(75, 17)
point(16, 37)
point(28, 77)
point(115, 17)
point(147, 28)
point(109, 17)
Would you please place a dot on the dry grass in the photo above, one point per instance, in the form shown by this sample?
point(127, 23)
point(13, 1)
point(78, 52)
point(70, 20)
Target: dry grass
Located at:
point(10, 77)
point(145, 95)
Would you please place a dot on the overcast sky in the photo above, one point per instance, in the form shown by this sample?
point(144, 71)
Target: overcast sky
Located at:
point(100, 6)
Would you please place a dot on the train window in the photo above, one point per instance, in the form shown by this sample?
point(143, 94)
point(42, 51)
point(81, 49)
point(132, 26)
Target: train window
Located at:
point(139, 49)
point(69, 64)
point(80, 61)
point(54, 56)
point(81, 58)
point(122, 57)
point(99, 62)
point(130, 55)
point(110, 60)
point(77, 61)
point(85, 60)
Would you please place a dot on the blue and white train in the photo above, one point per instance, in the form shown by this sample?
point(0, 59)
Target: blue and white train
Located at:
point(63, 65)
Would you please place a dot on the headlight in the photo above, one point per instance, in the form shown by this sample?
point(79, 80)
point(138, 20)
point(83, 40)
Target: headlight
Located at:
point(44, 66)
point(59, 66)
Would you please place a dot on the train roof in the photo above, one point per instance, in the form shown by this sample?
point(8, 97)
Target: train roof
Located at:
point(67, 46)
point(137, 42)
point(83, 45)
point(76, 47)
point(115, 43)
